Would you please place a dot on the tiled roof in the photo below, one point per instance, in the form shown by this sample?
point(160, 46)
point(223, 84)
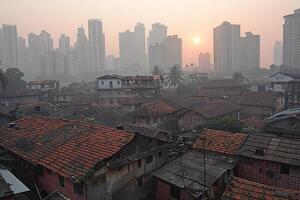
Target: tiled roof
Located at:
point(42, 82)
point(265, 99)
point(213, 110)
point(272, 148)
point(222, 83)
point(157, 108)
point(111, 76)
point(254, 122)
point(69, 148)
point(244, 189)
point(220, 141)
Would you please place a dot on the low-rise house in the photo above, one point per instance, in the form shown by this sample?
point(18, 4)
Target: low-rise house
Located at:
point(271, 160)
point(286, 123)
point(260, 104)
point(82, 161)
point(153, 114)
point(222, 142)
point(198, 115)
point(219, 89)
point(113, 89)
point(187, 178)
point(244, 189)
point(288, 83)
point(43, 85)
point(21, 98)
point(11, 188)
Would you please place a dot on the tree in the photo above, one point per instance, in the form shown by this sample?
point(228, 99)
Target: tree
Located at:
point(239, 77)
point(15, 80)
point(3, 80)
point(174, 78)
point(157, 71)
point(224, 124)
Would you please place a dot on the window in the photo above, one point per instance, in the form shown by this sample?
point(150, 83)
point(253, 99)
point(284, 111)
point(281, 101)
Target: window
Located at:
point(111, 101)
point(139, 163)
point(49, 171)
point(102, 82)
point(118, 82)
point(77, 188)
point(160, 154)
point(285, 169)
point(149, 159)
point(270, 174)
point(110, 84)
point(175, 192)
point(61, 181)
point(139, 181)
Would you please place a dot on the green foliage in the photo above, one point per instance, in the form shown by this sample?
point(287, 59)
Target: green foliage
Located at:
point(249, 130)
point(174, 78)
point(3, 80)
point(225, 124)
point(157, 71)
point(15, 80)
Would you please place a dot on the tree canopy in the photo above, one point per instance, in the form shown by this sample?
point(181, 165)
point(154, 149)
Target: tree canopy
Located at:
point(15, 80)
point(174, 77)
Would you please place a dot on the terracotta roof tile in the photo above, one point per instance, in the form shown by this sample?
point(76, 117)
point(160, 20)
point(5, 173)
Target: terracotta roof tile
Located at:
point(243, 189)
point(157, 108)
point(69, 148)
point(220, 141)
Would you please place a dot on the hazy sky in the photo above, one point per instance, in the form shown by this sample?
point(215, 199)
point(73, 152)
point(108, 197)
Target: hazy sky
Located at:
point(187, 18)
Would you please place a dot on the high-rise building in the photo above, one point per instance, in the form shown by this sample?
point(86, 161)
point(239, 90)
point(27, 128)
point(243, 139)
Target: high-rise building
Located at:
point(46, 42)
point(167, 54)
point(158, 33)
point(82, 50)
point(33, 59)
point(9, 45)
point(250, 48)
point(64, 44)
point(204, 63)
point(227, 48)
point(112, 63)
point(291, 40)
point(96, 45)
point(132, 49)
point(22, 53)
point(277, 53)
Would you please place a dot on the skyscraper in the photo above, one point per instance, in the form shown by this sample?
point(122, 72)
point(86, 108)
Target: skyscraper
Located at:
point(46, 42)
point(9, 45)
point(227, 48)
point(158, 33)
point(172, 52)
point(250, 47)
point(132, 49)
point(64, 44)
point(204, 62)
point(277, 53)
point(156, 56)
point(22, 53)
point(82, 50)
point(291, 40)
point(96, 45)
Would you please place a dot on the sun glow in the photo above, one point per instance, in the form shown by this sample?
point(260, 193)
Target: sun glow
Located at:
point(196, 40)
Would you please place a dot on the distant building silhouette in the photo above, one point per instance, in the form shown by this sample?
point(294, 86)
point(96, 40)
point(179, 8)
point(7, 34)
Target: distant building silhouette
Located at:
point(96, 45)
point(227, 48)
point(9, 45)
point(204, 63)
point(277, 53)
point(250, 47)
point(158, 33)
point(82, 50)
point(64, 44)
point(132, 49)
point(291, 40)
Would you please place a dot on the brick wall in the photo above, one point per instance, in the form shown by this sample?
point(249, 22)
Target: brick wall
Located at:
point(259, 171)
point(49, 182)
point(162, 191)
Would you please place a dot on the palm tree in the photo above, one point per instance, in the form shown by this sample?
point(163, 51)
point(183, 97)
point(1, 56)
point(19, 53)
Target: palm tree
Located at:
point(174, 78)
point(3, 79)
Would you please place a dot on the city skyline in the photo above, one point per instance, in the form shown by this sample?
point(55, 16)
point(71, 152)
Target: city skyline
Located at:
point(202, 17)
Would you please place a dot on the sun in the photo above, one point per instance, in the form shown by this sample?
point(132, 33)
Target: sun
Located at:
point(196, 40)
